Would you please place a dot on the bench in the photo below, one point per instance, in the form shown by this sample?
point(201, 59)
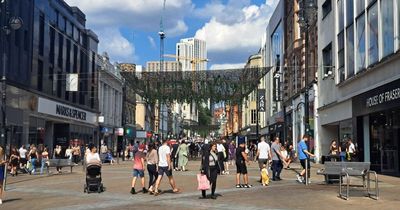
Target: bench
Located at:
point(60, 163)
point(348, 169)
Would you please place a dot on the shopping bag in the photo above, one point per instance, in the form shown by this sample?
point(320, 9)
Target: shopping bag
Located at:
point(203, 183)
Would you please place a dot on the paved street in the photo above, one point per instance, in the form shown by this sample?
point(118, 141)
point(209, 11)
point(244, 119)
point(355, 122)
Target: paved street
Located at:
point(65, 191)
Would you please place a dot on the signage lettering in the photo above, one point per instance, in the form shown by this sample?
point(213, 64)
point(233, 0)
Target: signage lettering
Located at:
point(69, 112)
point(261, 100)
point(387, 96)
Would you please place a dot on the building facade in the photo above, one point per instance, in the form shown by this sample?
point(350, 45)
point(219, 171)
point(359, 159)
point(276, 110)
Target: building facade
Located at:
point(294, 76)
point(110, 100)
point(52, 44)
point(360, 96)
point(128, 108)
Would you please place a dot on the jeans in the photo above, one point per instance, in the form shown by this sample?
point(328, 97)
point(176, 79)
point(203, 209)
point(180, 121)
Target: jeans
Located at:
point(153, 174)
point(44, 160)
point(33, 162)
point(276, 169)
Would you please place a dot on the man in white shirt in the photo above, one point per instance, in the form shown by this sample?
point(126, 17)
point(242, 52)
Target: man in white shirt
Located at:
point(165, 166)
point(263, 153)
point(22, 154)
point(221, 156)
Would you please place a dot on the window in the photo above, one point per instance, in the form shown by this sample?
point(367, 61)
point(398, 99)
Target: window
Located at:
point(41, 33)
point(68, 56)
point(360, 43)
point(373, 53)
point(253, 116)
point(327, 58)
point(360, 6)
point(341, 55)
point(387, 22)
point(60, 50)
point(40, 76)
point(52, 45)
point(349, 12)
point(326, 8)
point(26, 40)
point(350, 50)
point(341, 14)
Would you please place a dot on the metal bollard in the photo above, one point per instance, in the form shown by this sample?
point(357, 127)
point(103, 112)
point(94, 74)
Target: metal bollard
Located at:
point(306, 178)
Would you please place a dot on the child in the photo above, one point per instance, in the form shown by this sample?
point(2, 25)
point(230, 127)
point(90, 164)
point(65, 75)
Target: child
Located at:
point(138, 168)
point(264, 175)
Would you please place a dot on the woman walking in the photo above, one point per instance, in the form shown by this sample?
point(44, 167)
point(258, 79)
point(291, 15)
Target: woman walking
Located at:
point(2, 172)
point(183, 152)
point(57, 155)
point(14, 159)
point(45, 159)
point(152, 161)
point(210, 168)
point(33, 157)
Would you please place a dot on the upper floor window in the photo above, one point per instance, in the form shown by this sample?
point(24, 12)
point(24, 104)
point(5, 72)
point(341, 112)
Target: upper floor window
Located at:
point(373, 35)
point(327, 58)
point(326, 8)
point(387, 30)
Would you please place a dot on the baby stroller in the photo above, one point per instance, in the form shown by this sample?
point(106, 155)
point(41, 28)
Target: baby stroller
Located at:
point(93, 179)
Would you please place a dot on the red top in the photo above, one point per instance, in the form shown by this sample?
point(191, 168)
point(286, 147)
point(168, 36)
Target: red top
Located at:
point(137, 161)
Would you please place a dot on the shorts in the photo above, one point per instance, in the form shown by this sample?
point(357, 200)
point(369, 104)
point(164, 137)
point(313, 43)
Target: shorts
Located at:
point(162, 170)
point(303, 163)
point(138, 173)
point(261, 162)
point(241, 168)
point(23, 161)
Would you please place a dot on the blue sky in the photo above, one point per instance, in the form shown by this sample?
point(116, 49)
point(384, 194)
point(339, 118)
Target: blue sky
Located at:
point(128, 29)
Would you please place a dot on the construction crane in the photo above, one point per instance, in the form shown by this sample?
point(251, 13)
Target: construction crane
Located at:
point(193, 61)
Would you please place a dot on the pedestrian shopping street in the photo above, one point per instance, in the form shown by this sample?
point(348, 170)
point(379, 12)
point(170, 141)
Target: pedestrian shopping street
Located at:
point(65, 191)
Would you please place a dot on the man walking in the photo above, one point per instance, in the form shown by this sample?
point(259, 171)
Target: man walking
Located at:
point(304, 155)
point(263, 154)
point(277, 159)
point(241, 168)
point(165, 166)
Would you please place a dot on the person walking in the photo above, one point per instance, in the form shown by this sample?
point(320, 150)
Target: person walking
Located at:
point(14, 161)
point(304, 155)
point(33, 157)
point(76, 153)
point(277, 160)
point(263, 154)
point(182, 154)
point(22, 155)
point(45, 159)
point(138, 169)
point(3, 162)
point(209, 167)
point(241, 168)
point(165, 167)
point(221, 156)
point(174, 156)
point(152, 161)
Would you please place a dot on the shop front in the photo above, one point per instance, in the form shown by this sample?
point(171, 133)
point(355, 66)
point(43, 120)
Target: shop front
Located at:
point(376, 115)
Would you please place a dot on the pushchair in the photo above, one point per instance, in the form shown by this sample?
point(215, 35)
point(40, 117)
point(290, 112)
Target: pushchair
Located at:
point(93, 179)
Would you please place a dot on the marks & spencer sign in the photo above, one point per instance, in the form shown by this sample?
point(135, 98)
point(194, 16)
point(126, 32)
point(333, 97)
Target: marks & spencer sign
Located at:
point(53, 108)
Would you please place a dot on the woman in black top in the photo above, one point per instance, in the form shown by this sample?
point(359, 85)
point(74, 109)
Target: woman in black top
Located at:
point(210, 167)
point(33, 156)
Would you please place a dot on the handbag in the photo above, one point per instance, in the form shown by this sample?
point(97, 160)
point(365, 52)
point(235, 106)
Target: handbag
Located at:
point(203, 183)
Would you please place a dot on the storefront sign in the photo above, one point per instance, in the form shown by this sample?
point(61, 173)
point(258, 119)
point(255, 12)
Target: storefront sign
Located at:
point(53, 108)
point(277, 95)
point(379, 99)
point(261, 100)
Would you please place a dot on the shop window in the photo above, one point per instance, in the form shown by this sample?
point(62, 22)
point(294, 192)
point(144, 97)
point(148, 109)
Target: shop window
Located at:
point(360, 43)
point(387, 29)
point(373, 45)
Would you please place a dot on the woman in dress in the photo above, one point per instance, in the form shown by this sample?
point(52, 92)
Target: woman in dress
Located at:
point(183, 152)
point(14, 161)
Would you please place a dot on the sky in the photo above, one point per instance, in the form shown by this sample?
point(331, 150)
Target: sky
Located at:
point(128, 29)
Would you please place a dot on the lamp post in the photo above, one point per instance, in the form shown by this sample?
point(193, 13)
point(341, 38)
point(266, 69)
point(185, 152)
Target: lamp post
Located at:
point(307, 17)
point(7, 24)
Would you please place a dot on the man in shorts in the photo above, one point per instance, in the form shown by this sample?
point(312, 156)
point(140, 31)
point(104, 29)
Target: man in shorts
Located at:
point(263, 154)
point(138, 169)
point(241, 168)
point(165, 167)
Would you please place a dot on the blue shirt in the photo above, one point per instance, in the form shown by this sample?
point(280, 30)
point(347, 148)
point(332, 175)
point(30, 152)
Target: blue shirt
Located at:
point(301, 147)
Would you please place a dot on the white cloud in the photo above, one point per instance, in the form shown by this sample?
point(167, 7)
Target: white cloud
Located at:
point(118, 47)
point(235, 27)
point(140, 14)
point(152, 42)
point(227, 66)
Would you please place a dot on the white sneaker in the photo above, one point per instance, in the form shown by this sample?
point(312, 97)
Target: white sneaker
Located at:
point(299, 178)
point(1, 202)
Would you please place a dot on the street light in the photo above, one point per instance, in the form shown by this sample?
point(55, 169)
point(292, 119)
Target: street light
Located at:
point(7, 24)
point(307, 17)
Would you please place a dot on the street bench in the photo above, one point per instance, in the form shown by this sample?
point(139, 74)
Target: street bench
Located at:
point(60, 163)
point(347, 170)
